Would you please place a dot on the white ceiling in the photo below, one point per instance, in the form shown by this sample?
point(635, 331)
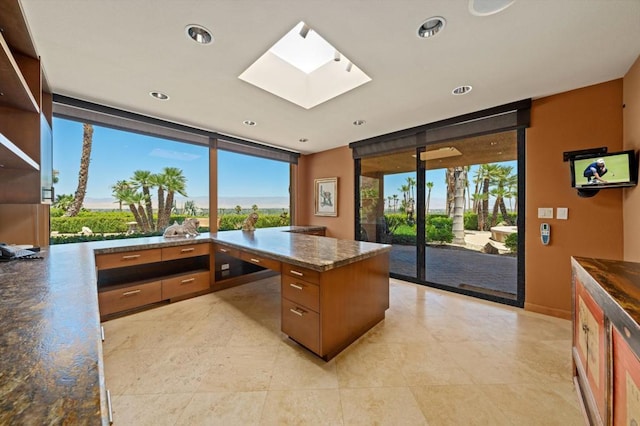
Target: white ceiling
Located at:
point(116, 52)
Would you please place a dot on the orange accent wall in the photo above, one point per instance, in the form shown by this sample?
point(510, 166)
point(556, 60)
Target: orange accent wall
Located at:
point(631, 140)
point(338, 163)
point(580, 119)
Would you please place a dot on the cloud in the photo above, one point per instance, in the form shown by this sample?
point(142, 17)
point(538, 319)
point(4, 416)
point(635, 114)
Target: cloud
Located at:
point(173, 155)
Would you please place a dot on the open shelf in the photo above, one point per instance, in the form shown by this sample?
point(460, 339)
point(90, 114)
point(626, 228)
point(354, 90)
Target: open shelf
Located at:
point(12, 157)
point(13, 86)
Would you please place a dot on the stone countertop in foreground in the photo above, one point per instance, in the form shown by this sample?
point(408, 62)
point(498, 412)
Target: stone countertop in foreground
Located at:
point(51, 369)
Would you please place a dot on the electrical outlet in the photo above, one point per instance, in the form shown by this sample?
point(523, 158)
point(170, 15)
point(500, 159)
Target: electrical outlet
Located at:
point(224, 267)
point(545, 212)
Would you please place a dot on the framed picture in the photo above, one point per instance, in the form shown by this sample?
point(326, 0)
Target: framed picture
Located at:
point(326, 197)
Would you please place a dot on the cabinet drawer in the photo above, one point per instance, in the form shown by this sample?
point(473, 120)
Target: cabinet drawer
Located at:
point(301, 324)
point(111, 301)
point(170, 253)
point(185, 284)
point(299, 273)
point(230, 251)
point(259, 260)
point(127, 258)
point(301, 292)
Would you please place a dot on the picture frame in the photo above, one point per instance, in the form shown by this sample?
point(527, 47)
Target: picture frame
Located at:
point(326, 196)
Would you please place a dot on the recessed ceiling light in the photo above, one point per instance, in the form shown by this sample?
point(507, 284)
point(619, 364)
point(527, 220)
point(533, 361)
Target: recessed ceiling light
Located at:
point(199, 34)
point(249, 123)
point(303, 140)
point(159, 95)
point(359, 122)
point(431, 27)
point(461, 90)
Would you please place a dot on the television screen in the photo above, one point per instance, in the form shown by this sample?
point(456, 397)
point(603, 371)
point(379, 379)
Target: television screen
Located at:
point(612, 170)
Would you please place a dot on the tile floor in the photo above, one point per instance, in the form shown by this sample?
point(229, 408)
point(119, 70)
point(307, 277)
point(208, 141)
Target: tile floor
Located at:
point(438, 358)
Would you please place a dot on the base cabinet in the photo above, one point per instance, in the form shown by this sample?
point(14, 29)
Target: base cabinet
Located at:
point(133, 279)
point(606, 339)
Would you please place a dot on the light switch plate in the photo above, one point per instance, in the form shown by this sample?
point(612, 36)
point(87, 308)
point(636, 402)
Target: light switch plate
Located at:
point(562, 213)
point(545, 212)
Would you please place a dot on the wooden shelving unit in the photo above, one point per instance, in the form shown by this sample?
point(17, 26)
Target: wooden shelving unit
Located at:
point(14, 88)
point(12, 157)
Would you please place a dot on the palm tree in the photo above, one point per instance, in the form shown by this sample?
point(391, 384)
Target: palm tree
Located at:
point(411, 182)
point(450, 180)
point(143, 179)
point(116, 188)
point(63, 201)
point(175, 183)
point(83, 174)
point(405, 195)
point(238, 209)
point(395, 202)
point(460, 177)
point(500, 179)
point(429, 188)
point(159, 180)
point(489, 173)
point(254, 207)
point(131, 198)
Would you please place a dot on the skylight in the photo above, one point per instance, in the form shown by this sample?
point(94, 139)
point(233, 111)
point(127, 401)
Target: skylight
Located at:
point(303, 68)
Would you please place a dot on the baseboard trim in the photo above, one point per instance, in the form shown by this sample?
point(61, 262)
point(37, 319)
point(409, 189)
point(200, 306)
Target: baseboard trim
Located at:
point(559, 313)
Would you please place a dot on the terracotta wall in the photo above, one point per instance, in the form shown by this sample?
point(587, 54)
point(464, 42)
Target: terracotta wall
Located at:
point(332, 163)
point(631, 140)
point(579, 119)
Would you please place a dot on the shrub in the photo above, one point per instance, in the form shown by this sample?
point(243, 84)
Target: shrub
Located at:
point(511, 242)
point(404, 235)
point(233, 221)
point(440, 229)
point(471, 221)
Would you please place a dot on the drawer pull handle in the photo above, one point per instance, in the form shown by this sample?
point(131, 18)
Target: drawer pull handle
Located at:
point(300, 274)
point(223, 250)
point(131, 293)
point(130, 257)
point(299, 312)
point(102, 333)
point(299, 287)
point(187, 281)
point(109, 407)
point(255, 260)
point(187, 250)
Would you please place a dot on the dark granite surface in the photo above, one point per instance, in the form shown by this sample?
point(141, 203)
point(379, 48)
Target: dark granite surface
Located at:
point(50, 350)
point(619, 279)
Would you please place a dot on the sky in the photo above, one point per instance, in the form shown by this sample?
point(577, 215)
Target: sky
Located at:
point(116, 154)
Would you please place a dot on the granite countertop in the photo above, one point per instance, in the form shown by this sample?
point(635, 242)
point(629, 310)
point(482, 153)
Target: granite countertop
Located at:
point(309, 251)
point(50, 350)
point(619, 279)
point(51, 368)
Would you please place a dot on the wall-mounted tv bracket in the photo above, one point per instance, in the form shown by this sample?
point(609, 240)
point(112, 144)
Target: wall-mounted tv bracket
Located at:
point(567, 155)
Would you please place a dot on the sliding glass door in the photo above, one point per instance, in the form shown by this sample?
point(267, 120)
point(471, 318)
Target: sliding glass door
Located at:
point(450, 212)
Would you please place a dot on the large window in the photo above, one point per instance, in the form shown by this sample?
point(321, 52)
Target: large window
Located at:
point(248, 184)
point(135, 184)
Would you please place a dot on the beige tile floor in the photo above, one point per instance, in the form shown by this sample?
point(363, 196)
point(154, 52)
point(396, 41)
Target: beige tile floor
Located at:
point(438, 358)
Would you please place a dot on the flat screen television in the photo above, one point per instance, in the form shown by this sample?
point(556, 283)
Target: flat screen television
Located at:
point(611, 170)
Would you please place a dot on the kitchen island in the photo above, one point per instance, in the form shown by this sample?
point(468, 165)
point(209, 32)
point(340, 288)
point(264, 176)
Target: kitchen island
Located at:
point(51, 368)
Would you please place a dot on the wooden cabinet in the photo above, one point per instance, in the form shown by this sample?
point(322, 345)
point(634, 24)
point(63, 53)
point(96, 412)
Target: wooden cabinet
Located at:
point(262, 261)
point(26, 168)
point(606, 339)
point(136, 278)
point(300, 305)
point(129, 297)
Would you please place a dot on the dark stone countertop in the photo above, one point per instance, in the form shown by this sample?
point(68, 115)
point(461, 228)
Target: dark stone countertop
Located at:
point(51, 369)
point(619, 279)
point(50, 349)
